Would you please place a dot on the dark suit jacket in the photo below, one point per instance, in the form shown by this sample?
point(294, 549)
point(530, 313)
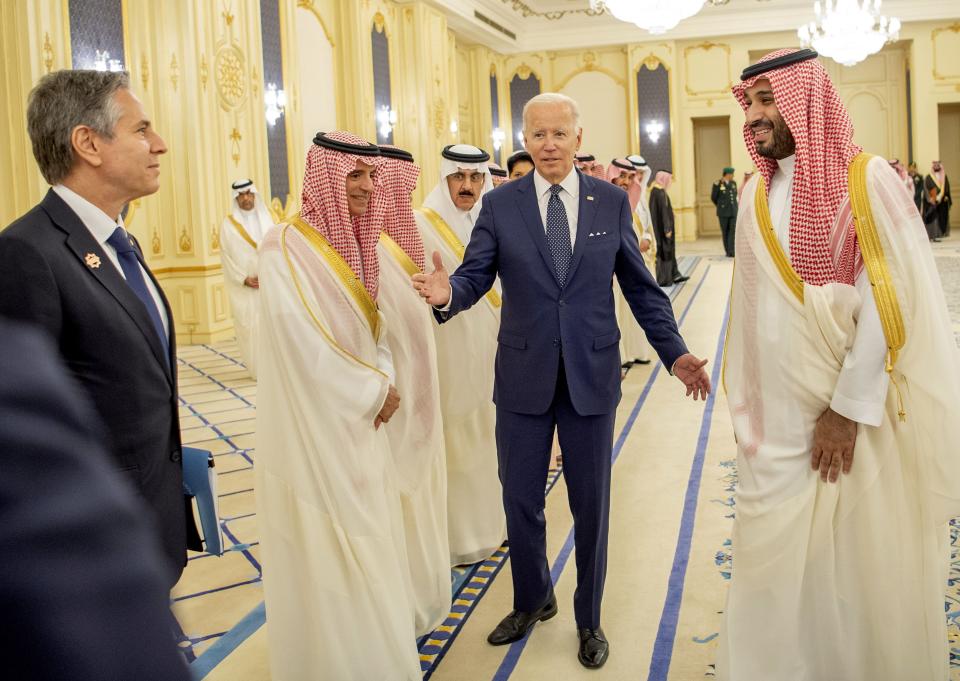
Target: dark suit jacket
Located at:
point(538, 318)
point(105, 336)
point(724, 197)
point(82, 582)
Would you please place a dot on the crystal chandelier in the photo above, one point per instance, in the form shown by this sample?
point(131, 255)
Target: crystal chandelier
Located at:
point(848, 31)
point(656, 16)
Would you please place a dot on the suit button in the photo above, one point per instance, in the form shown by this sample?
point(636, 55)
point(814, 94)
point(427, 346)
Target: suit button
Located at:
point(562, 303)
point(175, 456)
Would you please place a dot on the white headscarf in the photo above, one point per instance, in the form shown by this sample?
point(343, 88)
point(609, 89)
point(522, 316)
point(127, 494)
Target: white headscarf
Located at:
point(460, 221)
point(256, 221)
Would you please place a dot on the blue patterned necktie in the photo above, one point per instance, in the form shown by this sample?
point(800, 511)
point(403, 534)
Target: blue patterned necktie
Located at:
point(134, 275)
point(558, 234)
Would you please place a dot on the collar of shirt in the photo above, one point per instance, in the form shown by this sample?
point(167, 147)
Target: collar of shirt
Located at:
point(786, 164)
point(100, 224)
point(570, 184)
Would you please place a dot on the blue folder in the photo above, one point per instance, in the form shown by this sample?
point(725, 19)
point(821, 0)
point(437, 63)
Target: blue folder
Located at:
point(200, 482)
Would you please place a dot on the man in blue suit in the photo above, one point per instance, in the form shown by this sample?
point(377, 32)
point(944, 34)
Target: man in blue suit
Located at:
point(556, 238)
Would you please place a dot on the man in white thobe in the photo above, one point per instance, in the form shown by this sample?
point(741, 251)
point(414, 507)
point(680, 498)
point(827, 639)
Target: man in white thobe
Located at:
point(416, 434)
point(240, 237)
point(476, 522)
point(842, 380)
point(335, 576)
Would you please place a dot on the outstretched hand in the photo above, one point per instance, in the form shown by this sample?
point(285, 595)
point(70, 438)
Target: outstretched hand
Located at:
point(689, 369)
point(435, 287)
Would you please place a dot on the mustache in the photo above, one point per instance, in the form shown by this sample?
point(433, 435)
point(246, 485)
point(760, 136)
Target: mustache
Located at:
point(466, 192)
point(762, 123)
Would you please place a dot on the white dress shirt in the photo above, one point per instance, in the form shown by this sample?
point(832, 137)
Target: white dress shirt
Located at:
point(101, 226)
point(569, 196)
point(861, 389)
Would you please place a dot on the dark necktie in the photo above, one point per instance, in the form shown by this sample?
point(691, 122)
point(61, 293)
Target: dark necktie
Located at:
point(558, 234)
point(134, 275)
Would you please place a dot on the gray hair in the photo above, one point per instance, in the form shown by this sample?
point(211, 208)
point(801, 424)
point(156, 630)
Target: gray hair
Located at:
point(60, 102)
point(553, 98)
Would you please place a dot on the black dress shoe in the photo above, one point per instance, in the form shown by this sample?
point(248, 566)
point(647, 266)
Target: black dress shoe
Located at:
point(594, 649)
point(680, 279)
point(515, 626)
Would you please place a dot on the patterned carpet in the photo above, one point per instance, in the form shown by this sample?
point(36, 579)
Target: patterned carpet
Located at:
point(670, 549)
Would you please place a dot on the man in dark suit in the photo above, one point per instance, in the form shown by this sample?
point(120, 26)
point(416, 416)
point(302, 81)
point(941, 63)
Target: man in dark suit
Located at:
point(556, 238)
point(69, 267)
point(724, 196)
point(82, 584)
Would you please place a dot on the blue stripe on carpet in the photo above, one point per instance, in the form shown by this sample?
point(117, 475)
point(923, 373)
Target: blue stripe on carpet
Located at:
point(513, 654)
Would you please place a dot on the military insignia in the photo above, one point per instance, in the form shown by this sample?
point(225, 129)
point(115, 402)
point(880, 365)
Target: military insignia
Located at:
point(92, 260)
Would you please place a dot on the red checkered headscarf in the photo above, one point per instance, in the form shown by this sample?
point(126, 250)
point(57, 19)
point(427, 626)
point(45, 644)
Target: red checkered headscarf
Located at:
point(399, 222)
point(635, 190)
point(823, 240)
point(323, 205)
point(597, 170)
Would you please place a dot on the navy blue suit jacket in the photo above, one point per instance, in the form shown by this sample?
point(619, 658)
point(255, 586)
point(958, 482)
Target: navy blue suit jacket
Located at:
point(539, 318)
point(83, 584)
point(108, 342)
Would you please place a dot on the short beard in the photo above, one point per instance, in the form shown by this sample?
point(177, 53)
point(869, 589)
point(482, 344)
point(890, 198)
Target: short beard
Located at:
point(781, 142)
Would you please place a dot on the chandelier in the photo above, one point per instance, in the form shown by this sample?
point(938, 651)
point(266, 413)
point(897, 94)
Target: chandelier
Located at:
point(848, 31)
point(655, 16)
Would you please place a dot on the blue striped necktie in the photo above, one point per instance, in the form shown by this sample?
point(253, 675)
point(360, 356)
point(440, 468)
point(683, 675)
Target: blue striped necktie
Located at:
point(558, 234)
point(134, 275)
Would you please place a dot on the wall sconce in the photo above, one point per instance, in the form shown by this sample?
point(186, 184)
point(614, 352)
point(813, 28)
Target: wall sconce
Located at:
point(520, 137)
point(498, 136)
point(276, 102)
point(653, 130)
point(103, 62)
point(454, 127)
point(387, 118)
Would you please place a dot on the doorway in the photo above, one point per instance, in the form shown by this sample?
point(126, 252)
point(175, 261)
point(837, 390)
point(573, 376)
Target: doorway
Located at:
point(711, 153)
point(949, 122)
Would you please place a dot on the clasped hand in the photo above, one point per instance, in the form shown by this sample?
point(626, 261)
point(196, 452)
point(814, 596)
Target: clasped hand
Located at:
point(434, 288)
point(833, 440)
point(389, 408)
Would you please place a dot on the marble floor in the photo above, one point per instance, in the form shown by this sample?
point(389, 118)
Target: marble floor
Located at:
point(672, 505)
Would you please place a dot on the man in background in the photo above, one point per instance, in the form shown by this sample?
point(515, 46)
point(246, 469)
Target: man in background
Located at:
point(936, 186)
point(240, 237)
point(725, 196)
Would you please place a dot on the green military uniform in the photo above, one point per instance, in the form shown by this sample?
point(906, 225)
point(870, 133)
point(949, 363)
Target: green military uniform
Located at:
point(724, 197)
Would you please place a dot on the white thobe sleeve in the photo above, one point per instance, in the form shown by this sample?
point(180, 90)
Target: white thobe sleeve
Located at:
point(384, 355)
point(861, 389)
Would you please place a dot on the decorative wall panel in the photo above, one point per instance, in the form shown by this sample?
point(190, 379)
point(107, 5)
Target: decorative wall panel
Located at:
point(495, 112)
point(273, 75)
point(96, 25)
point(381, 75)
point(524, 86)
point(653, 110)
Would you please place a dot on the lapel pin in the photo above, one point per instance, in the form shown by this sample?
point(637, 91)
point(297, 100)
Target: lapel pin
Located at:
point(589, 198)
point(92, 260)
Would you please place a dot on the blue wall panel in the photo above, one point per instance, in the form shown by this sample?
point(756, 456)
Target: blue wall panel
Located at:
point(495, 111)
point(273, 73)
point(521, 92)
point(95, 25)
point(653, 104)
point(381, 78)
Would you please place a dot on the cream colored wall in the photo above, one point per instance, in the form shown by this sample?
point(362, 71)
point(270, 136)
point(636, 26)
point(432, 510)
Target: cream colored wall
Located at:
point(602, 102)
point(317, 77)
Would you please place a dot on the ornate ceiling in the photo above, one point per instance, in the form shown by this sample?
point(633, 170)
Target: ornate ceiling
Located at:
point(509, 26)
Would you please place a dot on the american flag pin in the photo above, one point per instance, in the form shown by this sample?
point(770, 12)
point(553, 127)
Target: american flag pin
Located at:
point(589, 198)
point(92, 260)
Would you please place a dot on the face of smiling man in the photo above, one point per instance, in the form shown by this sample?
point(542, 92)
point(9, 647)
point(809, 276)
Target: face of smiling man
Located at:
point(770, 132)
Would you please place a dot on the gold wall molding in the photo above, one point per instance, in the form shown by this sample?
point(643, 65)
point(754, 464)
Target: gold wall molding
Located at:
point(706, 46)
point(311, 7)
point(144, 71)
point(185, 242)
point(235, 138)
point(378, 22)
point(934, 35)
point(214, 238)
point(590, 67)
point(187, 269)
point(228, 66)
point(524, 71)
point(47, 51)
point(174, 71)
point(204, 72)
point(155, 242)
